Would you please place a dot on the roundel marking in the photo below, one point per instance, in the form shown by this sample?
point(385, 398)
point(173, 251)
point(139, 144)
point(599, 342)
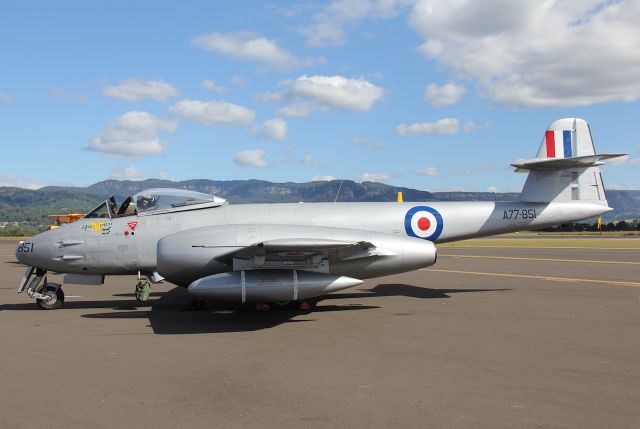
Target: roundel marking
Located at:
point(423, 222)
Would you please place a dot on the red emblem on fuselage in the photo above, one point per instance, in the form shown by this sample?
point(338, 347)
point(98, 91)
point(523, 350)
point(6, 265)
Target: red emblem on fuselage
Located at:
point(132, 225)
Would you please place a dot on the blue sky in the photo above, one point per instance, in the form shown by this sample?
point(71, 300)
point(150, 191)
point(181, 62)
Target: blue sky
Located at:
point(424, 94)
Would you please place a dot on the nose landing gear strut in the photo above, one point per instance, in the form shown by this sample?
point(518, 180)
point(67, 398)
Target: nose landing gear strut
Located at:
point(49, 296)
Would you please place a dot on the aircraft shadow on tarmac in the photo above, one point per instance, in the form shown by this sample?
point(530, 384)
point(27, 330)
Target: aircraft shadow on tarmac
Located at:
point(410, 291)
point(169, 313)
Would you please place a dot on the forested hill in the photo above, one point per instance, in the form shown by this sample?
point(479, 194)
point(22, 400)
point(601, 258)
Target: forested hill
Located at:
point(20, 205)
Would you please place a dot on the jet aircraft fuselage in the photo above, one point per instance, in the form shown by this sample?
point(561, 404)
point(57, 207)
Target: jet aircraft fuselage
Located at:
point(287, 251)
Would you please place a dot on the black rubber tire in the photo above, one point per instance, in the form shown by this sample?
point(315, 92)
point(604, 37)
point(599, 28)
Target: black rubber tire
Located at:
point(197, 304)
point(55, 291)
point(281, 305)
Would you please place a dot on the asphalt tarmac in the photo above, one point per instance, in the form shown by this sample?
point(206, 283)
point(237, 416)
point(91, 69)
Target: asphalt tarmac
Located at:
point(487, 338)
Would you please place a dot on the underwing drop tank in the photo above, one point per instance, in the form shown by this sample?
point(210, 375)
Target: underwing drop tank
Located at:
point(268, 285)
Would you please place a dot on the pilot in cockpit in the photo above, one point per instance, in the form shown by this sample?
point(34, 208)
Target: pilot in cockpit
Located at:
point(146, 202)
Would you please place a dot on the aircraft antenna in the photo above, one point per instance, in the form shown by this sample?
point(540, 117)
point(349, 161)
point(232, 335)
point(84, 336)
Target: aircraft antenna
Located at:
point(338, 193)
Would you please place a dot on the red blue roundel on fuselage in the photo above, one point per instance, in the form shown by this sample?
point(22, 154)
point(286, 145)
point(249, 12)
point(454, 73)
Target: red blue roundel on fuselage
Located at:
point(423, 222)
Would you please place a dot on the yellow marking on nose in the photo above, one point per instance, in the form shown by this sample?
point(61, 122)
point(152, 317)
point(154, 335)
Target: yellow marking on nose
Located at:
point(526, 276)
point(96, 226)
point(586, 261)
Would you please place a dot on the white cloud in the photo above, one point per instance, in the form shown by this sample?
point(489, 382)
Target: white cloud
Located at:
point(483, 168)
point(62, 94)
point(443, 126)
point(251, 158)
point(133, 89)
point(273, 129)
point(445, 95)
point(377, 177)
point(126, 173)
point(321, 178)
point(163, 175)
point(470, 127)
point(337, 92)
point(429, 171)
point(238, 80)
point(212, 112)
point(309, 93)
point(12, 180)
point(211, 85)
point(269, 96)
point(536, 54)
point(296, 109)
point(252, 47)
point(134, 134)
point(367, 143)
point(464, 171)
point(5, 98)
point(492, 189)
point(328, 27)
point(309, 160)
point(292, 11)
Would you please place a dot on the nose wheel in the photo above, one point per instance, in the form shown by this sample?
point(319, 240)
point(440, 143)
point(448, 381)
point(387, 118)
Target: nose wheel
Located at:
point(52, 297)
point(48, 295)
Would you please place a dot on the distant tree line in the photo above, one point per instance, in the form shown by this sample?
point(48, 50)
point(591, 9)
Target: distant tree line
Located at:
point(620, 225)
point(21, 231)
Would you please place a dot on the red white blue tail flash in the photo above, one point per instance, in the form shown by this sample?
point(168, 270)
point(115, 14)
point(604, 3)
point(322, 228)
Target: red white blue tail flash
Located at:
point(559, 143)
point(423, 222)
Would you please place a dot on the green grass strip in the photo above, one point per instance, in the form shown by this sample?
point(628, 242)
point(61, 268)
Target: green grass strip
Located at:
point(600, 243)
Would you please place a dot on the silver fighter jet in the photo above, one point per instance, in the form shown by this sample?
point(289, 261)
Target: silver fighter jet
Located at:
point(267, 253)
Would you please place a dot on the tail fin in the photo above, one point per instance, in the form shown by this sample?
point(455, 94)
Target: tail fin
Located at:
point(566, 167)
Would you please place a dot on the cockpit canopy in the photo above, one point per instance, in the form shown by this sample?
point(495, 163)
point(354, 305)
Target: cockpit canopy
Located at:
point(173, 200)
point(155, 201)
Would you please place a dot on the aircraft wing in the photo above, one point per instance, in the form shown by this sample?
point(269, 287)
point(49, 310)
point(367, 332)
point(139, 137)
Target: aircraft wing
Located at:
point(287, 250)
point(304, 243)
point(189, 255)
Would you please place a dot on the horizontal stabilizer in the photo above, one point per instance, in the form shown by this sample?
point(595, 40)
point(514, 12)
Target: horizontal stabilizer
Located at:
point(563, 163)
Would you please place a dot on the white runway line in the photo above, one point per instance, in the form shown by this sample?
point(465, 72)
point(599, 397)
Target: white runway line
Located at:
point(548, 278)
point(587, 261)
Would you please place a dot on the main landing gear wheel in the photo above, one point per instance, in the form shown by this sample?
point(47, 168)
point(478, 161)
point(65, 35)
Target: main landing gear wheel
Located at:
point(281, 305)
point(286, 305)
point(197, 304)
point(56, 295)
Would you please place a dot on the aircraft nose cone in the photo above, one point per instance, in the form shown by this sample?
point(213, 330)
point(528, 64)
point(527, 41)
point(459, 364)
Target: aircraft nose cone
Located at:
point(34, 251)
point(18, 254)
point(23, 251)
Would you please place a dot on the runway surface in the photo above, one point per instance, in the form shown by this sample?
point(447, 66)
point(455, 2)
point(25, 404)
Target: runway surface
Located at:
point(495, 338)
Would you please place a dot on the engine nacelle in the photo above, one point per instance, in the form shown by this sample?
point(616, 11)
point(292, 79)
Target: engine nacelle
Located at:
point(187, 256)
point(268, 285)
